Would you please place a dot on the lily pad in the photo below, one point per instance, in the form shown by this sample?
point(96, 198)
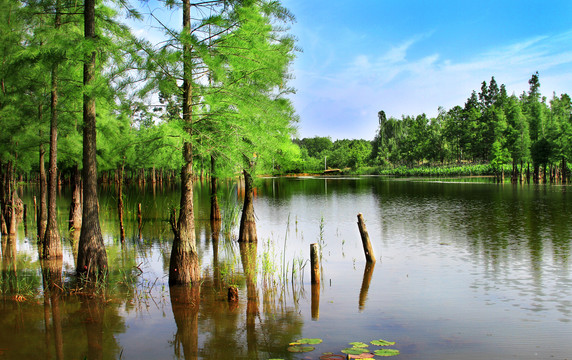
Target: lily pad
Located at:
point(386, 352)
point(300, 349)
point(358, 344)
point(355, 351)
point(367, 355)
point(382, 342)
point(308, 341)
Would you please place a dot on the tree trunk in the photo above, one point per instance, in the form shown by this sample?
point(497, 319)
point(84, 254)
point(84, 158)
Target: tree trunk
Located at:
point(563, 170)
point(75, 205)
point(120, 204)
point(42, 216)
point(247, 231)
point(52, 243)
point(91, 258)
point(184, 264)
point(215, 208)
point(8, 199)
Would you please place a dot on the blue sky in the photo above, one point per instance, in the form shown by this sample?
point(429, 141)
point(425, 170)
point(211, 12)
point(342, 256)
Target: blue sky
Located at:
point(410, 57)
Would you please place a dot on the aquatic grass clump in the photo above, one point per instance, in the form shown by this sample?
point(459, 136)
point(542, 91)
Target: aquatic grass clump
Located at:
point(269, 268)
point(19, 286)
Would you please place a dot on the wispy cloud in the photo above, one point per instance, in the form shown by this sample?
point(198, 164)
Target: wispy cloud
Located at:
point(398, 83)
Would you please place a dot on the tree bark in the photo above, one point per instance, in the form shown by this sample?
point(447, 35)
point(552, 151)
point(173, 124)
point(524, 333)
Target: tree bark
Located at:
point(184, 264)
point(52, 243)
point(92, 258)
point(247, 230)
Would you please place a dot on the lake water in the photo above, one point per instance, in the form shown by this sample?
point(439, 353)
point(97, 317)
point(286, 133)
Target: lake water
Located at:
point(465, 269)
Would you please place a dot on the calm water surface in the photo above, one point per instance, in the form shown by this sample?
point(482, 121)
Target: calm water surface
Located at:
point(465, 270)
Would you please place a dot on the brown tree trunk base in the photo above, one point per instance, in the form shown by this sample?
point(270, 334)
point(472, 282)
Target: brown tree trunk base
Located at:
point(247, 230)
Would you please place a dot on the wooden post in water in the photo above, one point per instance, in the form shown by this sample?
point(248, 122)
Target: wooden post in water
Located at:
point(367, 248)
point(315, 302)
point(314, 263)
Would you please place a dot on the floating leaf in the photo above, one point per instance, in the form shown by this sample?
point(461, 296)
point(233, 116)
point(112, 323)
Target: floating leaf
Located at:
point(308, 341)
point(386, 352)
point(382, 342)
point(300, 349)
point(361, 356)
point(358, 344)
point(355, 351)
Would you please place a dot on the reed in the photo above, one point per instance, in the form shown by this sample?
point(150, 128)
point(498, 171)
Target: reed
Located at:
point(230, 211)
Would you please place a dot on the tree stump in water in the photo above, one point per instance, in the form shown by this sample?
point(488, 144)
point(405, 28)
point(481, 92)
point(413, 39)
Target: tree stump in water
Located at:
point(232, 294)
point(314, 263)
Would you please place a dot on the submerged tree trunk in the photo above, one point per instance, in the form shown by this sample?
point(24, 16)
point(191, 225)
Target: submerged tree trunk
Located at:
point(247, 231)
point(52, 243)
point(91, 258)
point(248, 258)
point(75, 205)
point(215, 208)
point(184, 264)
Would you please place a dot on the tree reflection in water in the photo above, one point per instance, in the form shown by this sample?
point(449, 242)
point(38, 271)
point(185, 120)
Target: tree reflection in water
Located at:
point(185, 305)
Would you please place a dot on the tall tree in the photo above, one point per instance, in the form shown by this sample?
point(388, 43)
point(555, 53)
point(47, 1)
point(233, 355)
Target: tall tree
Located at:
point(52, 244)
point(92, 257)
point(184, 261)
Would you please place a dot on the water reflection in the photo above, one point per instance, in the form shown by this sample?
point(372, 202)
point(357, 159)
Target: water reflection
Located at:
point(454, 258)
point(53, 289)
point(367, 274)
point(185, 302)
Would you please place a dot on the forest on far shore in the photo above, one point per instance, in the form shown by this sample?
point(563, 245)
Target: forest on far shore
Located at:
point(527, 136)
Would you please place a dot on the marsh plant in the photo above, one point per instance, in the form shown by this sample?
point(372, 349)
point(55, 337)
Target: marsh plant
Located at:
point(230, 211)
point(19, 286)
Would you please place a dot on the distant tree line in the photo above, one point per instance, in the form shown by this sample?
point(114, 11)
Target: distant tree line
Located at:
point(528, 134)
